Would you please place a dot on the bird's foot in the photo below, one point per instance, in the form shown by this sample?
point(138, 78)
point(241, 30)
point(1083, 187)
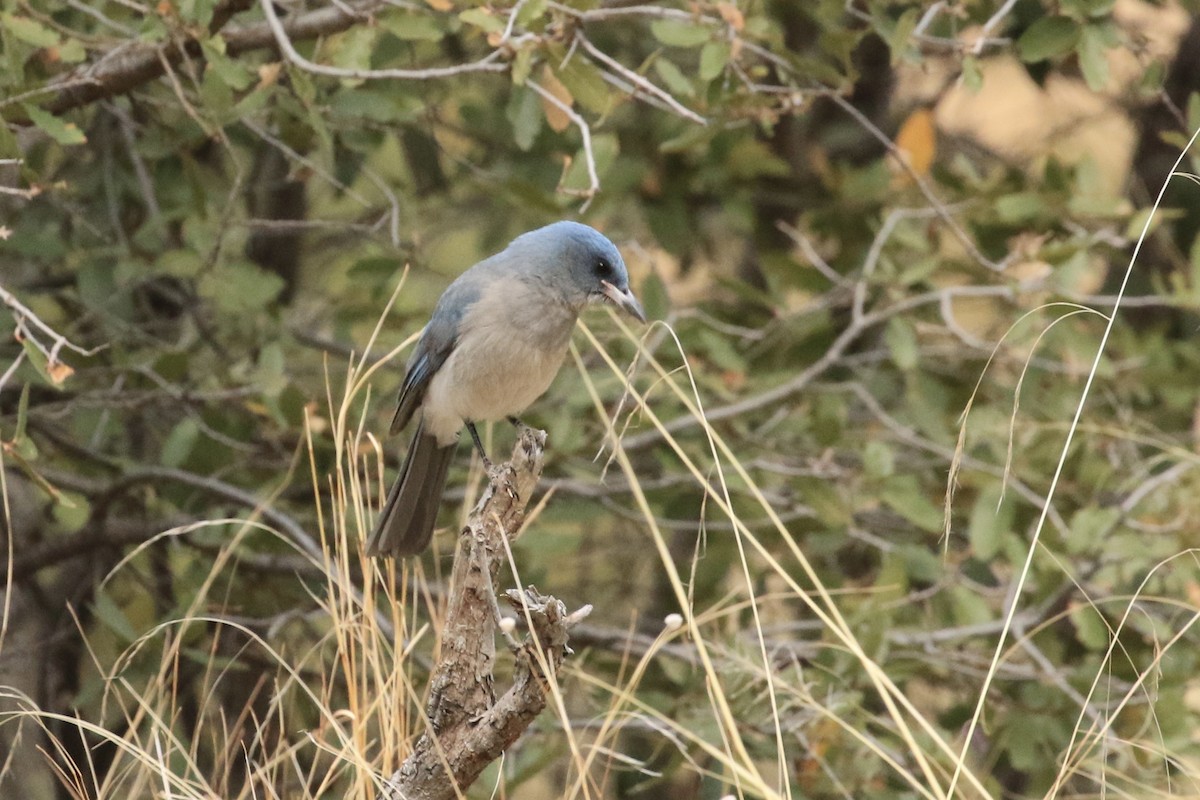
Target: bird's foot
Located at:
point(500, 478)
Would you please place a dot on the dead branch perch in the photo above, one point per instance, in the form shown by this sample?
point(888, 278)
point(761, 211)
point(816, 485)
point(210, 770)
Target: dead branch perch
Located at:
point(468, 726)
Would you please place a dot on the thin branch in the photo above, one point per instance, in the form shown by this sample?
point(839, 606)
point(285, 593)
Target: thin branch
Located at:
point(585, 132)
point(31, 330)
point(128, 65)
point(493, 62)
point(132, 64)
point(639, 81)
point(943, 212)
point(833, 355)
point(512, 21)
point(994, 20)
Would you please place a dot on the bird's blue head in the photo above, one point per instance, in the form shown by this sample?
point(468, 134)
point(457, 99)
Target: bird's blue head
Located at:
point(583, 263)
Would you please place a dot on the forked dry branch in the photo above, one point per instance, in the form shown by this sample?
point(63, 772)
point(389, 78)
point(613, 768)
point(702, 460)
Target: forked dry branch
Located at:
point(468, 727)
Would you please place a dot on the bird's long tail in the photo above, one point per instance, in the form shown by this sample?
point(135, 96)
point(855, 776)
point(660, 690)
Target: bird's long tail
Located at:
point(406, 524)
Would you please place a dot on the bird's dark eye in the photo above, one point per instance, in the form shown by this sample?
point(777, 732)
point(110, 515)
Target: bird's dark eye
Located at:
point(603, 268)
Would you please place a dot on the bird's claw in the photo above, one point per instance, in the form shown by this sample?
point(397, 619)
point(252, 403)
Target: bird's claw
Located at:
point(500, 478)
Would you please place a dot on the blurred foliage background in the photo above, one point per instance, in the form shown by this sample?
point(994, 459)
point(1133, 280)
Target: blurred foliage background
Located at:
point(888, 239)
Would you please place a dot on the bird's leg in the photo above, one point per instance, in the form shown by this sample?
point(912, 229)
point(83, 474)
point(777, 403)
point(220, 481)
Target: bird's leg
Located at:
point(487, 462)
point(516, 423)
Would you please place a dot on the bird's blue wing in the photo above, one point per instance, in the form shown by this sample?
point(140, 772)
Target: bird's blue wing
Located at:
point(435, 346)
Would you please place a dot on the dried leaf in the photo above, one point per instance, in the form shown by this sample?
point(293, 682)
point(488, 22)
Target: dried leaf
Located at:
point(555, 116)
point(732, 15)
point(917, 140)
point(268, 74)
point(59, 372)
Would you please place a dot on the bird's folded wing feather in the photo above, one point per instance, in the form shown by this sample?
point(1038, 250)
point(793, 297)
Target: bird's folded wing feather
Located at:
point(435, 346)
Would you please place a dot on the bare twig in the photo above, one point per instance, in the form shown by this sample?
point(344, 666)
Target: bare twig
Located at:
point(639, 82)
point(832, 356)
point(994, 20)
point(31, 330)
point(492, 62)
point(512, 21)
point(128, 65)
point(585, 132)
point(131, 64)
point(919, 181)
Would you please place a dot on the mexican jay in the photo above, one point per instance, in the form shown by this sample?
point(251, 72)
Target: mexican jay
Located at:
point(494, 343)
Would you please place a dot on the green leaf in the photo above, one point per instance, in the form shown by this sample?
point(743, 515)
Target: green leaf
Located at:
point(29, 30)
point(1048, 37)
point(1090, 628)
point(719, 350)
point(232, 71)
point(353, 49)
point(522, 65)
point(65, 133)
point(179, 442)
point(920, 564)
point(879, 460)
point(532, 10)
point(676, 33)
point(674, 78)
point(1137, 222)
point(825, 500)
point(482, 18)
point(71, 511)
point(1088, 528)
point(524, 113)
point(1088, 8)
point(714, 57)
point(241, 288)
point(653, 293)
point(272, 375)
point(374, 102)
point(1020, 207)
point(901, 340)
point(1193, 115)
point(413, 27)
point(199, 12)
point(22, 413)
point(71, 51)
point(1093, 57)
point(899, 37)
point(752, 158)
point(24, 446)
point(972, 75)
point(216, 94)
point(583, 81)
point(990, 521)
point(38, 359)
point(8, 143)
point(903, 494)
point(113, 617)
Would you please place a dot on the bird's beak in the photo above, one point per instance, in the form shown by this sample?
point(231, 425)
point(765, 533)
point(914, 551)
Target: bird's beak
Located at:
point(624, 300)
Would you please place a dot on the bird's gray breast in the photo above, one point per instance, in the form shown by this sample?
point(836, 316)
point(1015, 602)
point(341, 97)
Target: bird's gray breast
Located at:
point(511, 343)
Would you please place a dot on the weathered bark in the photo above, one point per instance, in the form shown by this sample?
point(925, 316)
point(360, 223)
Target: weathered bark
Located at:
point(468, 726)
point(130, 65)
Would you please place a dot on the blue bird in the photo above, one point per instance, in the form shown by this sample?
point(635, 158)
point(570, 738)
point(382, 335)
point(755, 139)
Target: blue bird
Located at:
point(494, 343)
